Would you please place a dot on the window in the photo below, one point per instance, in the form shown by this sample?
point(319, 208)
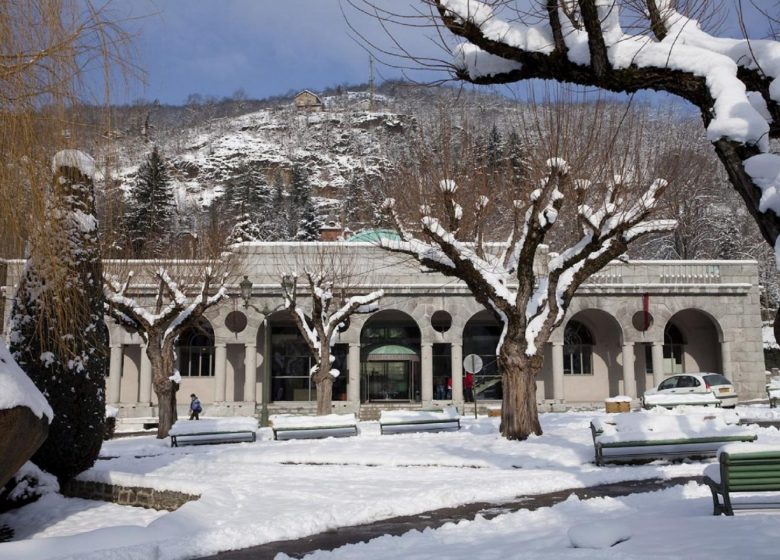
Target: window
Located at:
point(577, 349)
point(195, 347)
point(674, 348)
point(670, 383)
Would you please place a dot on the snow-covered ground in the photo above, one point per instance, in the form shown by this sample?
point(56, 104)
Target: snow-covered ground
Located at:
point(269, 490)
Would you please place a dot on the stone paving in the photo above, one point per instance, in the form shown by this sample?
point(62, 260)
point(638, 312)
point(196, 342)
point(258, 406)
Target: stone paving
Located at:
point(433, 519)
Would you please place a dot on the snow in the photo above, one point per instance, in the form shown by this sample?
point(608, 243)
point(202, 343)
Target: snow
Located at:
point(768, 337)
point(669, 399)
point(74, 158)
point(648, 426)
point(391, 416)
point(324, 421)
point(16, 389)
point(599, 535)
point(266, 491)
point(227, 424)
point(619, 399)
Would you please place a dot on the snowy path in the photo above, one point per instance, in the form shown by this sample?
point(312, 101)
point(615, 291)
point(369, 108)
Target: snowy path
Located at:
point(270, 491)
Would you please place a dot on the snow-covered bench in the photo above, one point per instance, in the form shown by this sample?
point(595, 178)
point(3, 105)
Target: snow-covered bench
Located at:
point(290, 426)
point(744, 467)
point(403, 421)
point(773, 392)
point(236, 429)
point(649, 435)
point(685, 399)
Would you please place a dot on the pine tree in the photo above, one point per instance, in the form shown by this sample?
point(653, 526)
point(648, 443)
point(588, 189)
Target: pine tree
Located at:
point(300, 196)
point(245, 230)
point(69, 368)
point(309, 224)
point(150, 218)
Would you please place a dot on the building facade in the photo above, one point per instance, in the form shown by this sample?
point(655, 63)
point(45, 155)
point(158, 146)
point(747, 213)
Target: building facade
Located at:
point(627, 328)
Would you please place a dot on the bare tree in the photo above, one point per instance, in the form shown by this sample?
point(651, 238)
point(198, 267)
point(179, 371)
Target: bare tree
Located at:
point(590, 220)
point(624, 46)
point(173, 312)
point(329, 276)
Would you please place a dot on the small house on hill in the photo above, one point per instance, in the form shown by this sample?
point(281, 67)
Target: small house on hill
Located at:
point(308, 101)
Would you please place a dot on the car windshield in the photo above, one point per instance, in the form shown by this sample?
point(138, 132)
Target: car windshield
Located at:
point(716, 379)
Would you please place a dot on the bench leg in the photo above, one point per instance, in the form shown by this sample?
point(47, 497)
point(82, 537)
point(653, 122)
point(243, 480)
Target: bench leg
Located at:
point(717, 509)
point(727, 509)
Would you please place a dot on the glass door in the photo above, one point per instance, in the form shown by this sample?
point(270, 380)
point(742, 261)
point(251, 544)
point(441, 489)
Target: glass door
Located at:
point(389, 381)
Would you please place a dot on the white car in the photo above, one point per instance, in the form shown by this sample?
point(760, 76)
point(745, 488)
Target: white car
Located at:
point(683, 383)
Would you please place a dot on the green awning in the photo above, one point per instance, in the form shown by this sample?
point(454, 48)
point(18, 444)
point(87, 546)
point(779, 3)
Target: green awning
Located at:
point(392, 353)
point(374, 235)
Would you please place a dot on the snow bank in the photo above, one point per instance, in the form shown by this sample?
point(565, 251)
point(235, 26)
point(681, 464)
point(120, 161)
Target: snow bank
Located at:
point(229, 424)
point(16, 389)
point(328, 420)
point(619, 399)
point(599, 535)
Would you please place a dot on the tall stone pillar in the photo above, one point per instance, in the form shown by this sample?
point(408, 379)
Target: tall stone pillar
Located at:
point(353, 367)
point(725, 360)
point(220, 377)
point(557, 371)
point(114, 374)
point(145, 381)
point(457, 372)
point(658, 363)
point(629, 375)
point(250, 372)
point(426, 371)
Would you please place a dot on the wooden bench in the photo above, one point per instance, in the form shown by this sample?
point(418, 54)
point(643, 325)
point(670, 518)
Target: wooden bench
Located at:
point(773, 394)
point(656, 445)
point(402, 421)
point(286, 427)
point(743, 468)
point(212, 438)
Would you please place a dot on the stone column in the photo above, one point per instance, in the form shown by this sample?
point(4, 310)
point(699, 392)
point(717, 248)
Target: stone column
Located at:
point(220, 377)
point(250, 372)
point(457, 372)
point(353, 367)
point(725, 360)
point(557, 371)
point(145, 381)
point(658, 363)
point(426, 371)
point(629, 375)
point(114, 374)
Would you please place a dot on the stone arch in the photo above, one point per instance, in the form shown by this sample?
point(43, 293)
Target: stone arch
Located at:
point(195, 349)
point(700, 346)
point(390, 357)
point(605, 375)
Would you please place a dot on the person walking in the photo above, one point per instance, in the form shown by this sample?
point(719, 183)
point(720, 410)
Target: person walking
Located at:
point(468, 387)
point(195, 407)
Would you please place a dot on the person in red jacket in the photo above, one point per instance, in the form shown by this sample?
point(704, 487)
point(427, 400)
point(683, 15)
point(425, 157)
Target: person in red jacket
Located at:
point(468, 387)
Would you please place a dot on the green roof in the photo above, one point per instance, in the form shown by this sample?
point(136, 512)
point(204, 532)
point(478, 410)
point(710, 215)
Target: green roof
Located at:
point(374, 235)
point(392, 349)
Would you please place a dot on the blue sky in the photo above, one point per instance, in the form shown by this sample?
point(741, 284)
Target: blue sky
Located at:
point(265, 47)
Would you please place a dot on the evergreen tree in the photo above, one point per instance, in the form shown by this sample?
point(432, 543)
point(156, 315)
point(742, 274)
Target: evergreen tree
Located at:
point(309, 224)
point(70, 368)
point(300, 196)
point(246, 229)
point(277, 216)
point(493, 150)
point(150, 218)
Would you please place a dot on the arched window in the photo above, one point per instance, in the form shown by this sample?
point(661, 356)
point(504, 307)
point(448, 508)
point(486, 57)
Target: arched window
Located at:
point(577, 349)
point(674, 348)
point(195, 347)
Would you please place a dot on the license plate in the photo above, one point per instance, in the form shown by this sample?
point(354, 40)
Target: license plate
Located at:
point(723, 390)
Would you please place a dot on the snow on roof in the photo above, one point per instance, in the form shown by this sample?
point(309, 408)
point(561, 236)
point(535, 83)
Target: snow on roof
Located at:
point(74, 158)
point(16, 389)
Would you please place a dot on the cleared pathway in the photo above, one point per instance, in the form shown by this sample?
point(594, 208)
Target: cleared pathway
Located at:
point(433, 519)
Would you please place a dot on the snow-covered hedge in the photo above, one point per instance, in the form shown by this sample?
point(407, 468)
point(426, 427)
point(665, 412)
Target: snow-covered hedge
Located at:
point(661, 399)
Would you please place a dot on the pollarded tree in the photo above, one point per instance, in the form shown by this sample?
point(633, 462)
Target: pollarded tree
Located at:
point(173, 312)
point(329, 312)
point(527, 302)
point(58, 335)
point(733, 82)
point(151, 208)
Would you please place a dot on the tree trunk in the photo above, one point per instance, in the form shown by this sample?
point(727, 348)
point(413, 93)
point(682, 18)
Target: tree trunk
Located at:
point(323, 379)
point(324, 384)
point(163, 365)
point(519, 415)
